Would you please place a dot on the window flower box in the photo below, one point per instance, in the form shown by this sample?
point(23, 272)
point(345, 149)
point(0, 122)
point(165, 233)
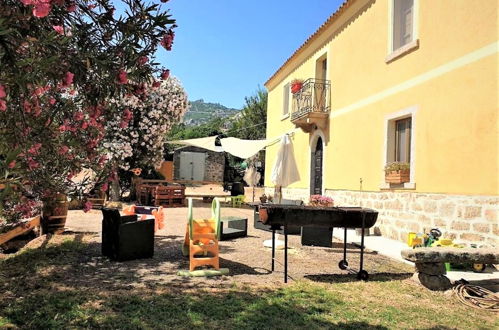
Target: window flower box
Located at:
point(397, 172)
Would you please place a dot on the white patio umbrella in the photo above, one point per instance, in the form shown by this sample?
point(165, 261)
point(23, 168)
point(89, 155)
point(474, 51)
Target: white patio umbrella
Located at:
point(284, 171)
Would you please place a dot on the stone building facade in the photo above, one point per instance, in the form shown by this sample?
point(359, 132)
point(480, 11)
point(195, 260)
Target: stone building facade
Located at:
point(465, 219)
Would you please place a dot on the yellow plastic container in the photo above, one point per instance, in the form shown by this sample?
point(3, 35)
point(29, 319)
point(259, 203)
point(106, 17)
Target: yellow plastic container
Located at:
point(410, 238)
point(445, 241)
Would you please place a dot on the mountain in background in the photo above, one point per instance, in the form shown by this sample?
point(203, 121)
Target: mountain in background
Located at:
point(201, 112)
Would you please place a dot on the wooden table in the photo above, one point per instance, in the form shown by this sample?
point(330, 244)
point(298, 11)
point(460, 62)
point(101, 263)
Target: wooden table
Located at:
point(208, 198)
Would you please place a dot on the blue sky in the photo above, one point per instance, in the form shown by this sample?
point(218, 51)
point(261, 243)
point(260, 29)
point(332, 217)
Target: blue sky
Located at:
point(225, 49)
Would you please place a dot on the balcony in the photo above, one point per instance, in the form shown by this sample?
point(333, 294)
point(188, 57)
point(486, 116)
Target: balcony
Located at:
point(311, 105)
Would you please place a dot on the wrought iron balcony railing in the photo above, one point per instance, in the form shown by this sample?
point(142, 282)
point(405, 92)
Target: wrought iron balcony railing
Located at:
point(314, 97)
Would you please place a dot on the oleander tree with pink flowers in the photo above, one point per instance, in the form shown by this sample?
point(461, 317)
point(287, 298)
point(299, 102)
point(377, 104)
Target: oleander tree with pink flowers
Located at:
point(61, 61)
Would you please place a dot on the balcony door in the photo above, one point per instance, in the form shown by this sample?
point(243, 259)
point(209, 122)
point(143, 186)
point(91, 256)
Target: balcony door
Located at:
point(320, 89)
point(316, 169)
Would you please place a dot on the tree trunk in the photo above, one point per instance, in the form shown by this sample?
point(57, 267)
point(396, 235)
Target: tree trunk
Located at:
point(115, 191)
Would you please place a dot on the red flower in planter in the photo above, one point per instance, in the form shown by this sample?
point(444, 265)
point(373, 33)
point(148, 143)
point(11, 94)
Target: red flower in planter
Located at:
point(296, 86)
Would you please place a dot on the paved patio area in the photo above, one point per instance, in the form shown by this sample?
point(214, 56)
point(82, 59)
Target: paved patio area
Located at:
point(249, 260)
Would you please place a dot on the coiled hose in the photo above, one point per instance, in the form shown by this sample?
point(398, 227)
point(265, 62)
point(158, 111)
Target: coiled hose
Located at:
point(477, 297)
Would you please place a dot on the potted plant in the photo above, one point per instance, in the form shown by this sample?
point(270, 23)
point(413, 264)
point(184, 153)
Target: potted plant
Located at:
point(320, 200)
point(397, 172)
point(296, 85)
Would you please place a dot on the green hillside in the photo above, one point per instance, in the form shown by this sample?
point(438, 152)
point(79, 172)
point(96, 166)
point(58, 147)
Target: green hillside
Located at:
point(201, 112)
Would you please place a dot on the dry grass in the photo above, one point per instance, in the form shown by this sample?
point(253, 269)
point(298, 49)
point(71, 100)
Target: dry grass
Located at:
point(64, 283)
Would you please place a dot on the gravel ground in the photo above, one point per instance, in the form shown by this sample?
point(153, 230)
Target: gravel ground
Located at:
point(246, 258)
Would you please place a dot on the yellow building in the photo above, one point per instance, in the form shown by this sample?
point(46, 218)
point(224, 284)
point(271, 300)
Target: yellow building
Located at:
point(398, 81)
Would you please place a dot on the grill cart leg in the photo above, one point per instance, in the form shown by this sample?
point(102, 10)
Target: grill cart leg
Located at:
point(343, 264)
point(286, 252)
point(362, 275)
point(273, 248)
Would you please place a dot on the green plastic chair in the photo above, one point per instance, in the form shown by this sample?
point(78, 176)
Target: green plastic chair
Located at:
point(237, 201)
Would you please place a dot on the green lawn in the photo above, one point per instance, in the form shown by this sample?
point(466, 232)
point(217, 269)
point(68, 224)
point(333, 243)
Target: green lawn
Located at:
point(38, 293)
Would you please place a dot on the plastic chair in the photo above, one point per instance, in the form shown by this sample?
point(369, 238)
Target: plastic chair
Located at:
point(125, 238)
point(237, 201)
point(144, 213)
point(201, 238)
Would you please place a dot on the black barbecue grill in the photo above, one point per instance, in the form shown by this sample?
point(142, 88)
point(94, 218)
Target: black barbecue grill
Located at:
point(279, 215)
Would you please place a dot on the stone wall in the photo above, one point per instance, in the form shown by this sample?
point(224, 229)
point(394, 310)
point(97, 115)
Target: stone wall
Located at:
point(466, 219)
point(213, 168)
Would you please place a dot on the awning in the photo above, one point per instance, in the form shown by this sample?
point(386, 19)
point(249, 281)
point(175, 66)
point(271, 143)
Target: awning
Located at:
point(240, 148)
point(243, 148)
point(205, 143)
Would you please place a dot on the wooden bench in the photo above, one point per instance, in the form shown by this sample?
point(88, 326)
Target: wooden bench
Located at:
point(430, 263)
point(170, 196)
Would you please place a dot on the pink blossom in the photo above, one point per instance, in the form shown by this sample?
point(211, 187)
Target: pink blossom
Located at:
point(27, 106)
point(142, 60)
point(87, 206)
point(2, 91)
point(167, 40)
point(104, 187)
point(122, 77)
point(52, 101)
point(12, 164)
point(32, 164)
point(39, 91)
point(91, 6)
point(35, 149)
point(72, 7)
point(84, 125)
point(59, 29)
point(123, 124)
point(165, 74)
point(28, 2)
point(63, 150)
point(127, 114)
point(156, 84)
point(102, 160)
point(68, 79)
point(78, 116)
point(3, 105)
point(42, 8)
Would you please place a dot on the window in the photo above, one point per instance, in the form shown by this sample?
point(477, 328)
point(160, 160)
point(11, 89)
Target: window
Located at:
point(400, 145)
point(403, 140)
point(285, 101)
point(403, 23)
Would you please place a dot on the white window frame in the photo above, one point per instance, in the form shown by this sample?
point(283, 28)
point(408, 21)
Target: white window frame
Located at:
point(414, 44)
point(286, 100)
point(389, 146)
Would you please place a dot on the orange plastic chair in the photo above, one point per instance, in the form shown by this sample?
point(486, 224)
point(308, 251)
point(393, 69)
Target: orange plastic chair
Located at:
point(201, 238)
point(158, 214)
